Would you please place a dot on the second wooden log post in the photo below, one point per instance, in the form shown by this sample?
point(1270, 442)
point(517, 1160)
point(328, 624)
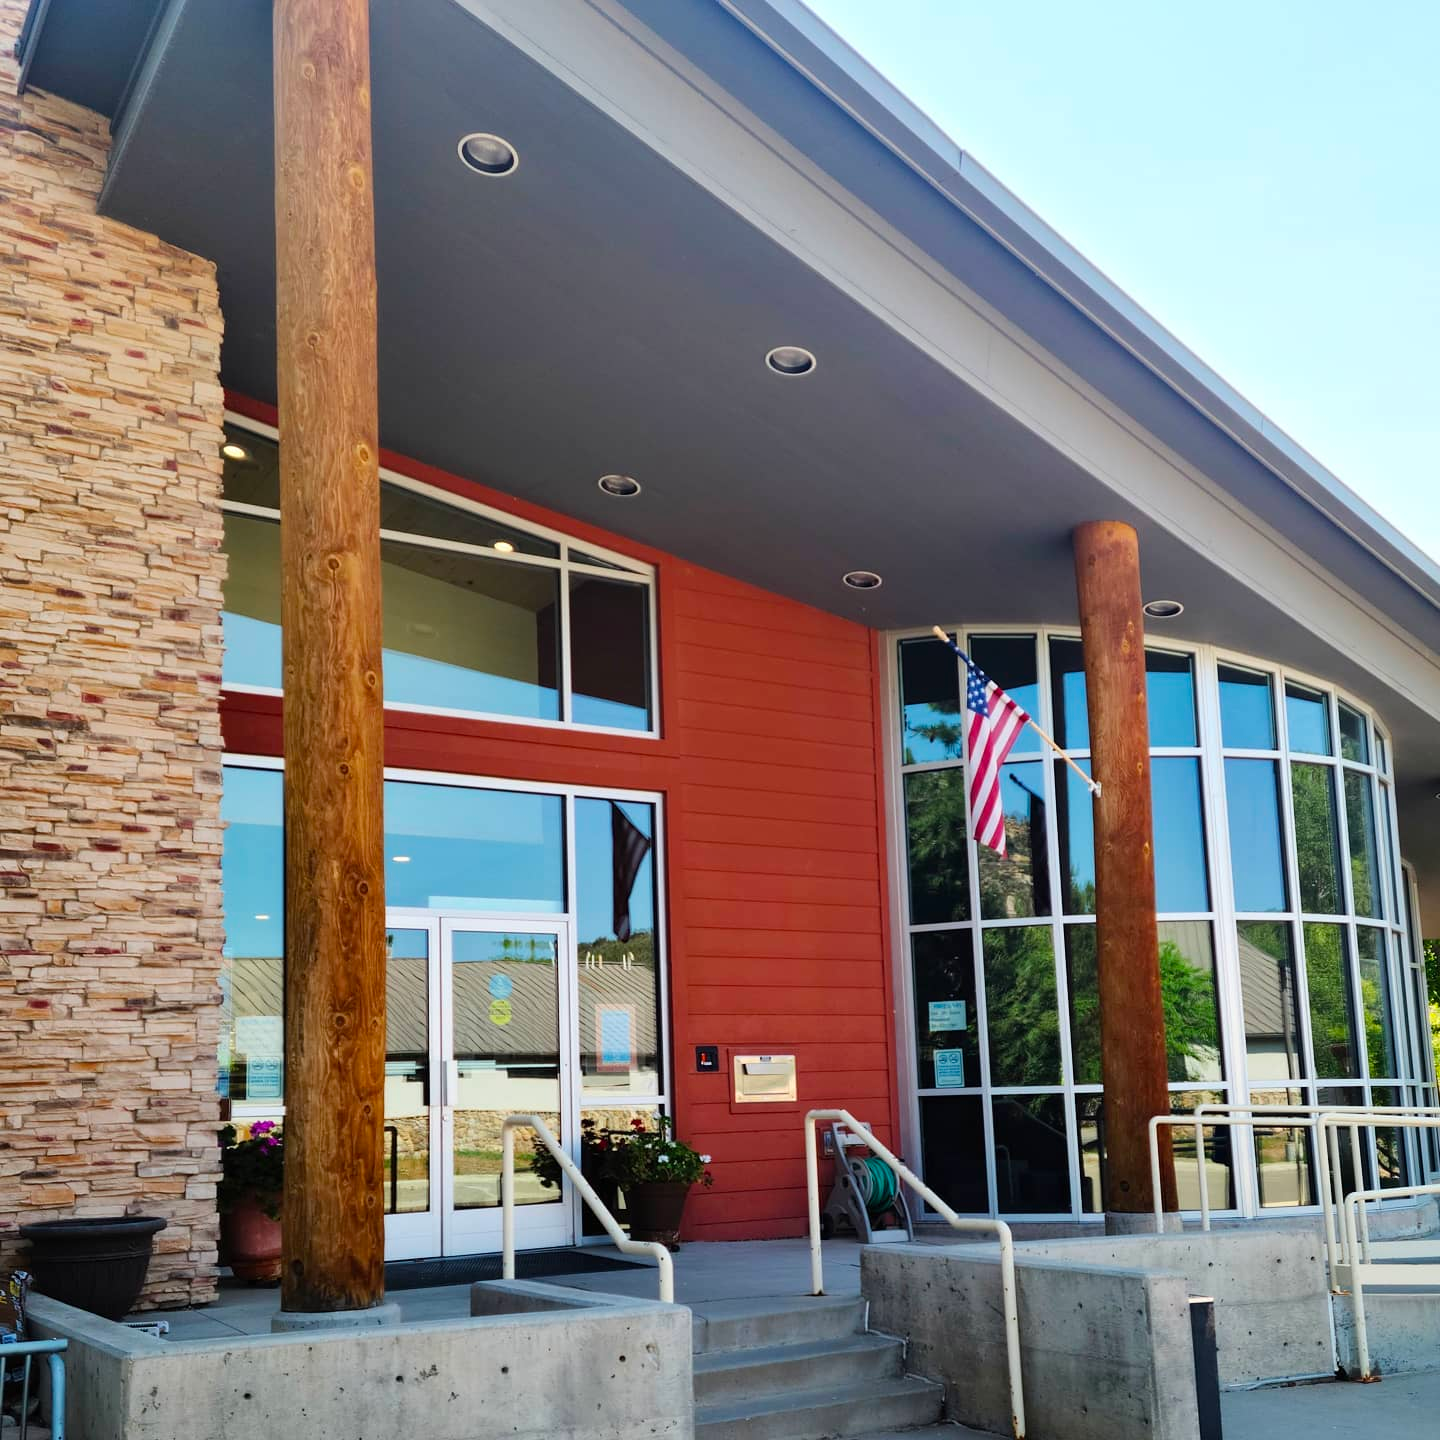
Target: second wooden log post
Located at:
point(1132, 1014)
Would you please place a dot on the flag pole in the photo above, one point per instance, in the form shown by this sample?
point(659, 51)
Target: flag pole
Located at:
point(1093, 785)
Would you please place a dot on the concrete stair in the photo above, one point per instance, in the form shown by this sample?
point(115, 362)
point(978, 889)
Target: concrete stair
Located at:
point(807, 1369)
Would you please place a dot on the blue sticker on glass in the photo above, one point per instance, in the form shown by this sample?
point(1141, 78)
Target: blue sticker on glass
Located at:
point(949, 1069)
point(501, 987)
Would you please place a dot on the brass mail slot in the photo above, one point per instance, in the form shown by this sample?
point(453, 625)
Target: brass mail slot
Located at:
point(764, 1077)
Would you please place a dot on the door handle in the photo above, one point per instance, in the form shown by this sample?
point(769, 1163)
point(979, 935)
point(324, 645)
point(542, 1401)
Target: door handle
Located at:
point(450, 1084)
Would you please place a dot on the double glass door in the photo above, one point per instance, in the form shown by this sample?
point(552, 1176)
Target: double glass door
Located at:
point(473, 1034)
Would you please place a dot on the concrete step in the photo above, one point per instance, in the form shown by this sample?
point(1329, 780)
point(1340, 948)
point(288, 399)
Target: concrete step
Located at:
point(904, 1403)
point(782, 1320)
point(732, 1375)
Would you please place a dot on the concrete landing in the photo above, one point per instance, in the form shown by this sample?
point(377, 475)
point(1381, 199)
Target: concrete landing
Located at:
point(724, 1278)
point(1404, 1407)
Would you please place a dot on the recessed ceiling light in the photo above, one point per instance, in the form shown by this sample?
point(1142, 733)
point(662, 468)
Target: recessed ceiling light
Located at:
point(621, 486)
point(489, 154)
point(505, 547)
point(401, 859)
point(790, 360)
point(1163, 609)
point(262, 917)
point(862, 580)
point(231, 451)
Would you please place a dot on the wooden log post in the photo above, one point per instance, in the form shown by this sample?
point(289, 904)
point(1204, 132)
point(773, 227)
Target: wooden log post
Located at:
point(1132, 1016)
point(333, 1216)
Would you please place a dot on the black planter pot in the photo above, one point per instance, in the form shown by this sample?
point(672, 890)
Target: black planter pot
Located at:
point(97, 1265)
point(655, 1211)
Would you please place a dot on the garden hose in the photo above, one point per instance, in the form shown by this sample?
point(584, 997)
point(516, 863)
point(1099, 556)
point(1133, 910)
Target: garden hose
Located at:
point(876, 1183)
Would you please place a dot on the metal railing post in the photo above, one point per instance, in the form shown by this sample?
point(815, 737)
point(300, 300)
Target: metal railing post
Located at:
point(1154, 1127)
point(599, 1209)
point(812, 1192)
point(1203, 1174)
point(998, 1228)
point(507, 1200)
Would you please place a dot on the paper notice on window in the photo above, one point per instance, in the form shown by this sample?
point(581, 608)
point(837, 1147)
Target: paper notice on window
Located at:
point(947, 1015)
point(614, 1038)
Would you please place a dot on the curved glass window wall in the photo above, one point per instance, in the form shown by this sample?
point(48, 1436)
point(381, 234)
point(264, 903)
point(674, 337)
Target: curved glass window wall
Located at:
point(1284, 953)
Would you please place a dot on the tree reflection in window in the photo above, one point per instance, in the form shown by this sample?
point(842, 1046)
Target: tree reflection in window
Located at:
point(1017, 884)
point(1021, 1008)
point(1317, 839)
point(1187, 986)
point(929, 702)
point(937, 842)
point(1332, 1017)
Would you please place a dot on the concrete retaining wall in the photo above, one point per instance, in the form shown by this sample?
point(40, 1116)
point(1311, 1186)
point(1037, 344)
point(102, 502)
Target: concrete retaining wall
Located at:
point(1403, 1331)
point(613, 1371)
point(1106, 1351)
point(1272, 1303)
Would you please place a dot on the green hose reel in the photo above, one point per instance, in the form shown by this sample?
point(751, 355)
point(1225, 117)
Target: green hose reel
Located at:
point(876, 1182)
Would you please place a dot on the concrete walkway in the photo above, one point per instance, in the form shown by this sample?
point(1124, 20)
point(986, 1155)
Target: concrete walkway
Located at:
point(1403, 1407)
point(708, 1277)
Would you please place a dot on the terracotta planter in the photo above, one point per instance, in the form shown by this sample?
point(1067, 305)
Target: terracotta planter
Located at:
point(655, 1211)
point(250, 1241)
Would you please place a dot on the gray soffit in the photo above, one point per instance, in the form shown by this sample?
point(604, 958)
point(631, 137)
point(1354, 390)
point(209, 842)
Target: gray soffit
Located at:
point(606, 309)
point(808, 46)
point(84, 50)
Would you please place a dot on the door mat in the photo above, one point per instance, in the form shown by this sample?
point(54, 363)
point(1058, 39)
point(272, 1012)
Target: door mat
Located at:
point(529, 1265)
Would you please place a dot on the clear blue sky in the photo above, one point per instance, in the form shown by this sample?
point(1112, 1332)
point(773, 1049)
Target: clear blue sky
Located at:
point(1263, 177)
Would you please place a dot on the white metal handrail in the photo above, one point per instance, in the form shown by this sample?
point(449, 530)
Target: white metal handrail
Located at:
point(1278, 1109)
point(1359, 1272)
point(597, 1206)
point(1276, 1117)
point(1356, 1266)
point(1353, 1242)
point(998, 1228)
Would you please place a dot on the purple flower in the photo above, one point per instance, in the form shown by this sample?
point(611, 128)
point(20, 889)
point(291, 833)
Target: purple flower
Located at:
point(262, 1127)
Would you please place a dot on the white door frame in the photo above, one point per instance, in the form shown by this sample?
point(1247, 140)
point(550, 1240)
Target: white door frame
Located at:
point(443, 1229)
point(417, 1235)
point(406, 1235)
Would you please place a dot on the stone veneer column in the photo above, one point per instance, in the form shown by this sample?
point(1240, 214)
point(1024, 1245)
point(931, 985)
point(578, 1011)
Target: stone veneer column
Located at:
point(110, 577)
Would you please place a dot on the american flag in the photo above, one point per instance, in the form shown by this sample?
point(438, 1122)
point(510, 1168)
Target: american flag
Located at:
point(993, 724)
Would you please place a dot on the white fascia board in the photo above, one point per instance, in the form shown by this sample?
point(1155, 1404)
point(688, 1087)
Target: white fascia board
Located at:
point(602, 52)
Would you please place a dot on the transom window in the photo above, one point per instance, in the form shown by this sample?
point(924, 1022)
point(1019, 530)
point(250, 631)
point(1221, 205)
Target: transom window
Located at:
point(483, 615)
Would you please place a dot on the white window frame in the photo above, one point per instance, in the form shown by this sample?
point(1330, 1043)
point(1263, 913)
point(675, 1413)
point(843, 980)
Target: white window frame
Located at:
point(1222, 915)
point(581, 1099)
point(631, 571)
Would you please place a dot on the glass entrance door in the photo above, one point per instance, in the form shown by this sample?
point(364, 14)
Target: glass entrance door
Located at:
point(414, 1074)
point(501, 996)
point(473, 1032)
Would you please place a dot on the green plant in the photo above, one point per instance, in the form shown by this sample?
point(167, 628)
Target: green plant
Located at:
point(645, 1156)
point(252, 1167)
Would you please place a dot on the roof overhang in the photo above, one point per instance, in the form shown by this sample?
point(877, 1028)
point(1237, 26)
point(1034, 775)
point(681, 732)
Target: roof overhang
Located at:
point(701, 180)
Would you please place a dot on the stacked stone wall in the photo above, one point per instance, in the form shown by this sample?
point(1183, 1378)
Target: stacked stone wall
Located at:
point(110, 578)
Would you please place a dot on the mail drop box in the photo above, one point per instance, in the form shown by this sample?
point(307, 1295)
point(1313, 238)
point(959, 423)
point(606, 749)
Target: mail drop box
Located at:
point(759, 1078)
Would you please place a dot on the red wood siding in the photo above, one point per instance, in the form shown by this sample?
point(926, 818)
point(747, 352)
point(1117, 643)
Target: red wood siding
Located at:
point(769, 763)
